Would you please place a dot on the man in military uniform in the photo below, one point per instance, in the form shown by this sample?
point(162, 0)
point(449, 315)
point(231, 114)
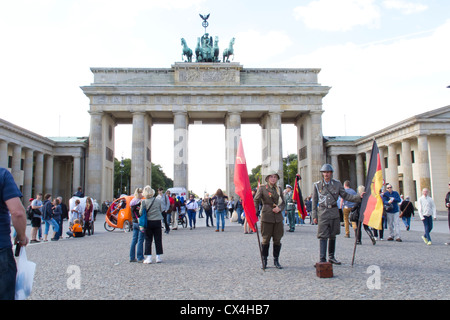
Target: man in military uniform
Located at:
point(325, 211)
point(290, 207)
point(271, 197)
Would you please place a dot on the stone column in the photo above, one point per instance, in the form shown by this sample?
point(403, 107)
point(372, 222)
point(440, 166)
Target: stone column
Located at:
point(316, 147)
point(383, 171)
point(359, 170)
point(232, 136)
point(3, 154)
point(272, 146)
point(27, 176)
point(335, 165)
point(368, 153)
point(95, 160)
point(138, 152)
point(392, 172)
point(39, 174)
point(15, 168)
point(48, 182)
point(76, 182)
point(148, 122)
point(447, 142)
point(180, 170)
point(408, 182)
point(423, 164)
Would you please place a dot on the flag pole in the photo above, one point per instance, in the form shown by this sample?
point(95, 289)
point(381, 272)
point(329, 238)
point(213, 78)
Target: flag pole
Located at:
point(259, 245)
point(358, 230)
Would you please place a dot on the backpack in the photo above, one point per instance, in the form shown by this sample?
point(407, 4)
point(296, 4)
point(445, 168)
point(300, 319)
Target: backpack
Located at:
point(206, 205)
point(30, 212)
point(220, 203)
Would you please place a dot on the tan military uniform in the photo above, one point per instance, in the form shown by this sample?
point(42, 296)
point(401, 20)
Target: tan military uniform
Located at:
point(271, 222)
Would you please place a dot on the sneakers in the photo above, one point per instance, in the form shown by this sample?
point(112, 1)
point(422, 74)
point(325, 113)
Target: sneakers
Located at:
point(148, 260)
point(425, 240)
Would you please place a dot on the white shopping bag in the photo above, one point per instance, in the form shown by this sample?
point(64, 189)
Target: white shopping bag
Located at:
point(25, 276)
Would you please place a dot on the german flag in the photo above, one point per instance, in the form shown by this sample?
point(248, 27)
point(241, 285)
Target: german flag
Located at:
point(297, 196)
point(372, 205)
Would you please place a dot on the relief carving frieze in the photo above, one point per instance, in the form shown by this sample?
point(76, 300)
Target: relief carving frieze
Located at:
point(200, 99)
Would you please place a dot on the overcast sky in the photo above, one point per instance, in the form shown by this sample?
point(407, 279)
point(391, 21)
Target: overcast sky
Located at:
point(385, 60)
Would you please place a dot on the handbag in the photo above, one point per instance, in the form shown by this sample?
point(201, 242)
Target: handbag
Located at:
point(354, 214)
point(388, 207)
point(143, 217)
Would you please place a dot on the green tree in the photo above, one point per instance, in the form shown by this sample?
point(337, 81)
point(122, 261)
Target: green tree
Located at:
point(289, 172)
point(159, 178)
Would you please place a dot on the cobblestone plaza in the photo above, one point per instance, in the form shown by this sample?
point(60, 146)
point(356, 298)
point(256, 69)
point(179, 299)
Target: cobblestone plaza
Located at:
point(200, 264)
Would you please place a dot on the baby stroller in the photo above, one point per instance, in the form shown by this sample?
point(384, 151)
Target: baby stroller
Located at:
point(182, 219)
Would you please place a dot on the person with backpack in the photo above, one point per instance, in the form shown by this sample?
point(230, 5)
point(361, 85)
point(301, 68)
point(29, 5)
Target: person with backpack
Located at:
point(206, 204)
point(220, 202)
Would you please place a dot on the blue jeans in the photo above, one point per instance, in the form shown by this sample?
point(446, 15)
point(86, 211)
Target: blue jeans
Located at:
point(220, 215)
point(428, 224)
point(60, 228)
point(407, 221)
point(54, 224)
point(138, 239)
point(8, 271)
point(191, 215)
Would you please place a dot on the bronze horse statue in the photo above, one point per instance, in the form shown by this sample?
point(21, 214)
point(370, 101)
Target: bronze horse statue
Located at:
point(186, 51)
point(228, 51)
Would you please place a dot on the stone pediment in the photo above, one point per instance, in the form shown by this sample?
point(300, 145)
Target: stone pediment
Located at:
point(438, 114)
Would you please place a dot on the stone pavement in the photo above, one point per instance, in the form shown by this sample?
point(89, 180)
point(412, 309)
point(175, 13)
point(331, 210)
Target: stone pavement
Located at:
point(201, 264)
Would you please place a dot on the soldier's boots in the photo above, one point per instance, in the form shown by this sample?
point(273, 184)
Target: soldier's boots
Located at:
point(276, 254)
point(323, 250)
point(265, 253)
point(331, 250)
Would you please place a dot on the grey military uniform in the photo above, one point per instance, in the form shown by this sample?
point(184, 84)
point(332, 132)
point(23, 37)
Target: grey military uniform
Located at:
point(325, 209)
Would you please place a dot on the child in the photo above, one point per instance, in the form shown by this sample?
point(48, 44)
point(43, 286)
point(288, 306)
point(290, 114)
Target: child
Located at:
point(76, 230)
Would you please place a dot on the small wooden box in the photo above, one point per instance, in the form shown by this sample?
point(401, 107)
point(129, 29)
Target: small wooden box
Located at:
point(324, 269)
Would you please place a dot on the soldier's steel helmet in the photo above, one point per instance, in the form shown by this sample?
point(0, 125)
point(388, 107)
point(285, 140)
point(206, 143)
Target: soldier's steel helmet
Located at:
point(326, 167)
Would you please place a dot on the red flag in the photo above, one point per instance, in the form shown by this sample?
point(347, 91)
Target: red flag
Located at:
point(297, 196)
point(242, 187)
point(371, 211)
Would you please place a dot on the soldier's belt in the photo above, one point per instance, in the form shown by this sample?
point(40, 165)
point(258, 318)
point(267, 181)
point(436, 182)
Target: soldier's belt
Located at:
point(329, 206)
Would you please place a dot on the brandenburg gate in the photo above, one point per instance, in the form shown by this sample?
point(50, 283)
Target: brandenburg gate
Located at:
point(211, 92)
